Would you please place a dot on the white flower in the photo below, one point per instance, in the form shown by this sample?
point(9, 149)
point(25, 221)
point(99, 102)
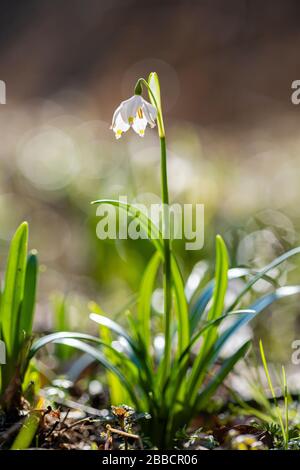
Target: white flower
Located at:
point(136, 113)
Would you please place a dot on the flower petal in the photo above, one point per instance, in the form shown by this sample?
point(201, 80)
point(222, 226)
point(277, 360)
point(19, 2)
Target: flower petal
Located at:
point(139, 125)
point(120, 126)
point(129, 108)
point(150, 113)
point(114, 118)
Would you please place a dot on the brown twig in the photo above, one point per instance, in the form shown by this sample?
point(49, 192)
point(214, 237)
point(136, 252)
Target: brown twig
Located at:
point(124, 434)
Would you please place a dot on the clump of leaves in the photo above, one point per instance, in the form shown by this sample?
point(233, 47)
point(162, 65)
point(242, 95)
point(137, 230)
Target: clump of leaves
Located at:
point(193, 377)
point(179, 381)
point(16, 316)
point(17, 306)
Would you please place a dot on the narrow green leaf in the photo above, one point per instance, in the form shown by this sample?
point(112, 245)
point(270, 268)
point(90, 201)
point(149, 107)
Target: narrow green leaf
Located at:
point(56, 337)
point(100, 357)
point(212, 386)
point(259, 306)
point(215, 322)
point(181, 307)
point(286, 405)
point(14, 288)
point(116, 391)
point(144, 301)
point(113, 326)
point(276, 262)
point(200, 303)
point(220, 279)
point(146, 223)
point(27, 431)
point(153, 82)
point(265, 365)
point(27, 310)
point(215, 312)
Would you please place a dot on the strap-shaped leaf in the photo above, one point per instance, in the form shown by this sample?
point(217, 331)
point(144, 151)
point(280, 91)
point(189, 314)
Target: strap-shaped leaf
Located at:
point(155, 237)
point(181, 307)
point(276, 262)
point(209, 337)
point(117, 392)
point(146, 223)
point(29, 427)
point(100, 357)
point(200, 304)
point(258, 306)
point(144, 301)
point(227, 366)
point(14, 288)
point(155, 99)
point(27, 310)
point(112, 326)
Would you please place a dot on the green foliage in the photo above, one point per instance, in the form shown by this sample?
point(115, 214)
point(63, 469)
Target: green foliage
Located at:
point(282, 417)
point(174, 385)
point(16, 314)
point(277, 413)
point(197, 369)
point(27, 431)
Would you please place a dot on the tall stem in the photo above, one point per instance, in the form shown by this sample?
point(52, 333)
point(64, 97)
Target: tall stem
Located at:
point(167, 257)
point(167, 282)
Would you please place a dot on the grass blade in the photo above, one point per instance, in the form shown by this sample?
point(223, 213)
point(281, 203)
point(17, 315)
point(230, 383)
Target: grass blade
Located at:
point(265, 365)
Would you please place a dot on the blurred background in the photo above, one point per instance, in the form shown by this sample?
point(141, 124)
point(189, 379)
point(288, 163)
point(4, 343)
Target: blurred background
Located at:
point(226, 69)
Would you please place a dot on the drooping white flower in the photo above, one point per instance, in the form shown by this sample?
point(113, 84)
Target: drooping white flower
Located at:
point(136, 113)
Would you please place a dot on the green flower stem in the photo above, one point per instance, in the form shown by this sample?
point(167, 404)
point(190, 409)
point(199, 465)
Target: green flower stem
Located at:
point(167, 257)
point(167, 283)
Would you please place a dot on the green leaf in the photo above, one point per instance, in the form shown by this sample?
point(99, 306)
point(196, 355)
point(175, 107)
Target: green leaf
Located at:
point(216, 321)
point(113, 326)
point(153, 82)
point(212, 386)
point(156, 238)
point(146, 223)
point(278, 410)
point(155, 98)
point(100, 357)
point(56, 337)
point(220, 279)
point(258, 306)
point(144, 301)
point(77, 340)
point(203, 299)
point(117, 393)
point(27, 431)
point(27, 309)
point(276, 262)
point(61, 323)
point(14, 289)
point(181, 307)
point(210, 336)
